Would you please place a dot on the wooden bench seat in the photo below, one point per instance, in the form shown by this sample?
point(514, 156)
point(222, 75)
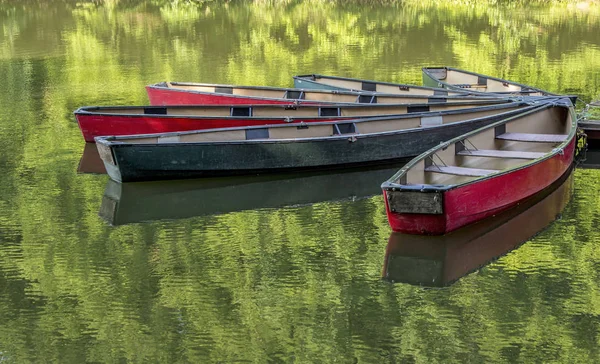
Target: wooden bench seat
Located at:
point(512, 154)
point(461, 171)
point(536, 138)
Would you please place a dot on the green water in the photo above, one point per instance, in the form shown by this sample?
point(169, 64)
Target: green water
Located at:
point(298, 284)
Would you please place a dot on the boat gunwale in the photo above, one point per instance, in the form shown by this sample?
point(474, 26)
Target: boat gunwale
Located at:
point(534, 89)
point(318, 75)
point(392, 186)
point(109, 140)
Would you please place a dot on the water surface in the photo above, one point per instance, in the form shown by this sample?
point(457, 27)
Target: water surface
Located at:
point(294, 282)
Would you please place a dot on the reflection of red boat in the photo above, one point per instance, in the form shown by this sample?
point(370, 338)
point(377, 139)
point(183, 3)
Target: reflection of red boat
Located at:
point(482, 173)
point(127, 120)
point(440, 260)
point(185, 93)
point(90, 161)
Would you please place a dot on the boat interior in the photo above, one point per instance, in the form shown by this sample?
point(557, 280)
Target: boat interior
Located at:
point(479, 83)
point(310, 95)
point(351, 128)
point(516, 142)
point(383, 87)
point(284, 110)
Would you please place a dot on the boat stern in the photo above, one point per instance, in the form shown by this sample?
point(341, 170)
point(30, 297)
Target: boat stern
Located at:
point(107, 156)
point(415, 211)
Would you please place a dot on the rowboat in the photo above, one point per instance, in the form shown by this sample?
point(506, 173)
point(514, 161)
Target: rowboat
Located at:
point(126, 203)
point(483, 172)
point(439, 261)
point(322, 82)
point(277, 148)
point(129, 120)
point(185, 93)
point(457, 79)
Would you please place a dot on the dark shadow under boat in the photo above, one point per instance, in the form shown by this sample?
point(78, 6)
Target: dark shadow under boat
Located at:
point(591, 159)
point(125, 203)
point(439, 261)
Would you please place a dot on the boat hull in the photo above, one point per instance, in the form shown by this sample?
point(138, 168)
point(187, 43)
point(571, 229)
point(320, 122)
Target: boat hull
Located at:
point(469, 203)
point(126, 162)
point(161, 96)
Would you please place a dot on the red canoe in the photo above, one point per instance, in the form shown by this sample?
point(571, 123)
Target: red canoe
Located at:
point(129, 120)
point(185, 93)
point(438, 261)
point(482, 172)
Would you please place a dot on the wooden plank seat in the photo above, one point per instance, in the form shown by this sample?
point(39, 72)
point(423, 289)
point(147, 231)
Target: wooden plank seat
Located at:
point(460, 171)
point(512, 154)
point(536, 138)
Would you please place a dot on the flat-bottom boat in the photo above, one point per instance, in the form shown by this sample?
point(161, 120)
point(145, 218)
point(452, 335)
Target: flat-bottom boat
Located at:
point(482, 173)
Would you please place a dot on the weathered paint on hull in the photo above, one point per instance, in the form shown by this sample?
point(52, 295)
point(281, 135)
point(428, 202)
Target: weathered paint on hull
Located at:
point(470, 203)
point(142, 162)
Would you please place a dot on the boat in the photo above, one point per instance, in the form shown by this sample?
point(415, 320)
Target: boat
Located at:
point(187, 93)
point(279, 148)
point(483, 172)
point(96, 121)
point(457, 79)
point(127, 203)
point(440, 261)
point(323, 82)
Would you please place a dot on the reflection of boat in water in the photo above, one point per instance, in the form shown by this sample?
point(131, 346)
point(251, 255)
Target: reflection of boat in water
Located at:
point(145, 201)
point(90, 161)
point(438, 261)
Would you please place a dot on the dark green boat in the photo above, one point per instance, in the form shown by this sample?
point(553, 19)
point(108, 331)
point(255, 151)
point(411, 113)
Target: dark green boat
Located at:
point(291, 147)
point(459, 80)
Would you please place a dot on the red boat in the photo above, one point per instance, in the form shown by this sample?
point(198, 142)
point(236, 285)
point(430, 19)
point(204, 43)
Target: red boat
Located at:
point(483, 172)
point(185, 93)
point(438, 261)
point(129, 120)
